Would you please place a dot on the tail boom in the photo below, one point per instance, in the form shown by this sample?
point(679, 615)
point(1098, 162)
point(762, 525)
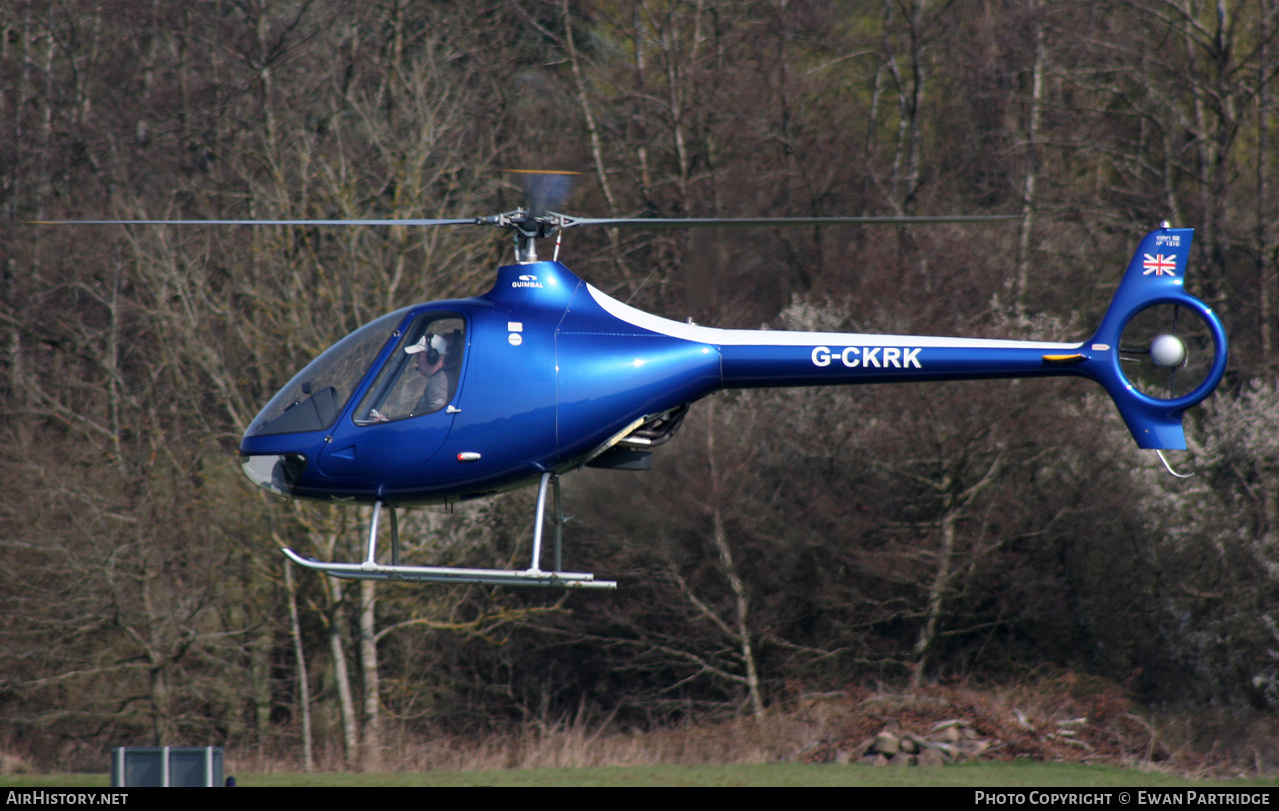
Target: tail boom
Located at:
point(824, 359)
point(1155, 276)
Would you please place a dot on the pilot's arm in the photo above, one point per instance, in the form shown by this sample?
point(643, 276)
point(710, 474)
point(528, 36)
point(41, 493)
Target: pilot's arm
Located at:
point(436, 395)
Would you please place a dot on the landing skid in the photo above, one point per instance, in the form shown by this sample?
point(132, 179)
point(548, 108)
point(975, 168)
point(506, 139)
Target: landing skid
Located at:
point(370, 569)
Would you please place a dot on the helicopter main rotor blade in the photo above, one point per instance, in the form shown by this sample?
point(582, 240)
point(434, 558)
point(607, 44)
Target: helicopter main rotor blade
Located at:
point(707, 222)
point(573, 222)
point(467, 221)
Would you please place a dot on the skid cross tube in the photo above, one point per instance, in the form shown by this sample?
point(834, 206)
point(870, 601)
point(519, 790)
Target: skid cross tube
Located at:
point(370, 559)
point(558, 520)
point(538, 521)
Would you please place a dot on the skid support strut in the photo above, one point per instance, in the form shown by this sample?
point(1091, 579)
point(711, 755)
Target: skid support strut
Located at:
point(370, 569)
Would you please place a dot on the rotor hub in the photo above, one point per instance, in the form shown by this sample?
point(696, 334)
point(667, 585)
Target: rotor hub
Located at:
point(528, 227)
point(1167, 351)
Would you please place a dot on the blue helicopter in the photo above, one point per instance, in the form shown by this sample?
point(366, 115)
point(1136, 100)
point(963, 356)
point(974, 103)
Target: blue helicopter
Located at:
point(454, 400)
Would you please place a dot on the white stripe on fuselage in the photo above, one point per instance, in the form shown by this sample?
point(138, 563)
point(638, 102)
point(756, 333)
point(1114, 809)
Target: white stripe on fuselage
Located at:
point(761, 337)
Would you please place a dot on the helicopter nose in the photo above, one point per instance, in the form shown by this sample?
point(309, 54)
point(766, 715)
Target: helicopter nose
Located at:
point(276, 472)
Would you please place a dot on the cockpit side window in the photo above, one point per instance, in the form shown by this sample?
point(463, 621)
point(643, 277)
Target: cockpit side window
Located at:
point(421, 376)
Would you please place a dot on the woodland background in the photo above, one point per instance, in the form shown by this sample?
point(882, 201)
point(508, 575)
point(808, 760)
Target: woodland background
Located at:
point(788, 542)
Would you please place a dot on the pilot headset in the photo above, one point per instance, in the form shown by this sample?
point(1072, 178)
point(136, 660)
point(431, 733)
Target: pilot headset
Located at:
point(435, 347)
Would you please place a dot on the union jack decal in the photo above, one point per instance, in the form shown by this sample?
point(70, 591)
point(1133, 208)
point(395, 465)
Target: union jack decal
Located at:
point(1159, 265)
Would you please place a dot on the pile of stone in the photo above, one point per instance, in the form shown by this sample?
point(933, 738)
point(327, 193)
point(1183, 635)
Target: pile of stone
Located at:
point(949, 741)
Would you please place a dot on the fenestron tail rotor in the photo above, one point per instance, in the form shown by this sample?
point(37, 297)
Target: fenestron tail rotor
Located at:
point(1166, 351)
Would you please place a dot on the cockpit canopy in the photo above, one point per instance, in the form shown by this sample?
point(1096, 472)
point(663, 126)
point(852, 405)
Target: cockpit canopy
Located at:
point(419, 377)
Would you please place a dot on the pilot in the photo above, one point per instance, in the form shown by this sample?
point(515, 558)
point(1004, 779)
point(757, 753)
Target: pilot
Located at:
point(432, 352)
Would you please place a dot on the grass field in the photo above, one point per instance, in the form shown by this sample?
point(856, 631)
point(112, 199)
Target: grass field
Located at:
point(1027, 774)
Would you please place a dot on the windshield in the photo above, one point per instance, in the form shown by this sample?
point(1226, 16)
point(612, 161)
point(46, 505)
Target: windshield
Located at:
point(315, 396)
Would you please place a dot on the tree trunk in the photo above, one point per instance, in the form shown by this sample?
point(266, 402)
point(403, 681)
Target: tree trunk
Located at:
point(372, 753)
point(299, 657)
point(1264, 255)
point(955, 503)
point(741, 628)
point(936, 593)
point(741, 614)
point(1032, 164)
point(336, 619)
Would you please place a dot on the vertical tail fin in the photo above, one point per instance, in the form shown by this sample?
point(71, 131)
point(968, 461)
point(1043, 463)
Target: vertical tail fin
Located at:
point(1156, 279)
